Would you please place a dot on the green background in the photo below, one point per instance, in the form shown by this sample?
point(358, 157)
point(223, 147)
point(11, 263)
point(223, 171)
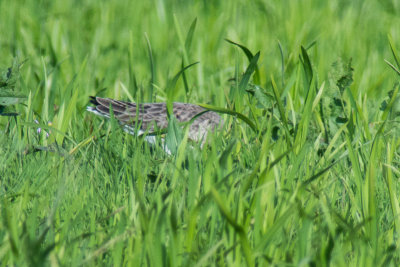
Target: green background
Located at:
point(303, 189)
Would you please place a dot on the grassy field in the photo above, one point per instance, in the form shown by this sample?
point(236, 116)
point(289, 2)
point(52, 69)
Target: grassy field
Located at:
point(303, 173)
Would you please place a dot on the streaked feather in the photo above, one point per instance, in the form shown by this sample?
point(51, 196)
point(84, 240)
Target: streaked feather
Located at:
point(148, 115)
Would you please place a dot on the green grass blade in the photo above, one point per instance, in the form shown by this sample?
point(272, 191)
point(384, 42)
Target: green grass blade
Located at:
point(393, 67)
point(249, 56)
point(152, 69)
point(171, 92)
point(238, 228)
point(185, 82)
point(189, 36)
point(281, 110)
point(231, 112)
point(249, 71)
point(308, 71)
point(394, 51)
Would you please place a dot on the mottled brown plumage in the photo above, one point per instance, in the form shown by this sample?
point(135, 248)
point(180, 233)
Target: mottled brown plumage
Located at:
point(146, 115)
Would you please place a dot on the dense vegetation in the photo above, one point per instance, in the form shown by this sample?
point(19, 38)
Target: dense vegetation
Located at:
point(304, 171)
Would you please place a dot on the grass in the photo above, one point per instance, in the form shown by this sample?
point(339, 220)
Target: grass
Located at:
point(303, 173)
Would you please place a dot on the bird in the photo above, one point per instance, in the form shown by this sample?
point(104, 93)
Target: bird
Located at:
point(146, 118)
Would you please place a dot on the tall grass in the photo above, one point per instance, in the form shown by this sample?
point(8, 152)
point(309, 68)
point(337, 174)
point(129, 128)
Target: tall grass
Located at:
point(304, 171)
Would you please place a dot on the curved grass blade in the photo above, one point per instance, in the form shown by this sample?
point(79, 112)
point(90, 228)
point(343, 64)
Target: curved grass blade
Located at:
point(231, 112)
point(318, 174)
point(393, 67)
point(172, 82)
point(249, 56)
point(311, 45)
point(171, 85)
point(185, 82)
point(212, 251)
point(308, 72)
point(245, 49)
point(394, 52)
point(249, 71)
point(282, 64)
point(189, 36)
